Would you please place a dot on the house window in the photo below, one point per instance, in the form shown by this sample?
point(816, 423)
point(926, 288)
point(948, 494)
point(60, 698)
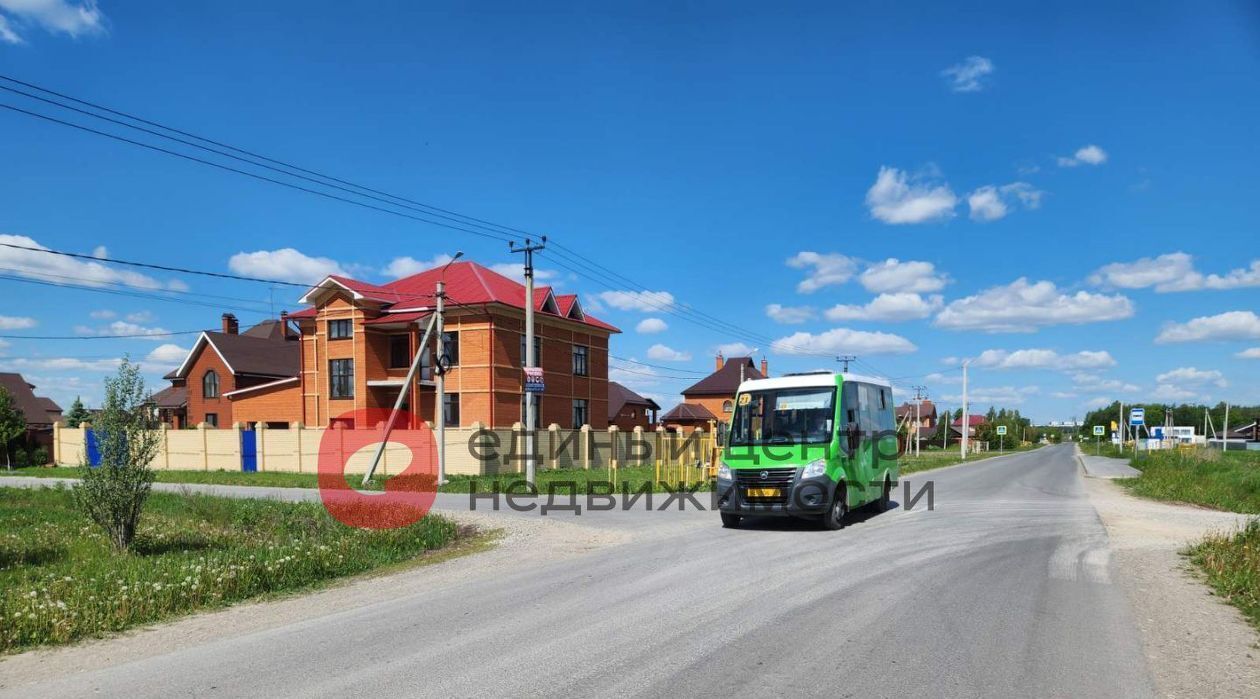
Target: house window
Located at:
point(450, 347)
point(212, 419)
point(341, 378)
point(399, 351)
point(450, 409)
point(579, 413)
point(537, 410)
point(537, 350)
point(579, 360)
point(339, 329)
point(210, 384)
point(727, 406)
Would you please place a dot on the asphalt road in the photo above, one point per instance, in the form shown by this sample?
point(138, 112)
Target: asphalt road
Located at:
point(1003, 589)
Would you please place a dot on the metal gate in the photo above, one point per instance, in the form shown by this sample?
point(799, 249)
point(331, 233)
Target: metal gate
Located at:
point(249, 451)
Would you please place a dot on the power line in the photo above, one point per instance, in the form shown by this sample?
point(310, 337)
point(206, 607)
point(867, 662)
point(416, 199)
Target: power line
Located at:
point(101, 337)
point(658, 366)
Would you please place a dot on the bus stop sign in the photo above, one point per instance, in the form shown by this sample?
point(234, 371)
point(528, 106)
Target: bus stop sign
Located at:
point(1137, 416)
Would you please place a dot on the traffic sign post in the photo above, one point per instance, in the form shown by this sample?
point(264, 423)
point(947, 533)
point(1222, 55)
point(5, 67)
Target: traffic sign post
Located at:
point(1001, 430)
point(1137, 418)
point(1099, 431)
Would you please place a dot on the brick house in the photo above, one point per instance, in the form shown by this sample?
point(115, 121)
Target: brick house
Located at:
point(231, 376)
point(927, 417)
point(973, 421)
point(713, 397)
point(41, 413)
point(628, 410)
point(358, 340)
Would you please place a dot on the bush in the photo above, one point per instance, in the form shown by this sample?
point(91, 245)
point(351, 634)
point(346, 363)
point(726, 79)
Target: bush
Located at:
point(113, 494)
point(21, 459)
point(39, 457)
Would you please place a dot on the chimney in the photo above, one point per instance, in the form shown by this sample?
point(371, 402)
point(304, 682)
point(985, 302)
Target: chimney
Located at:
point(765, 368)
point(230, 326)
point(720, 361)
point(284, 324)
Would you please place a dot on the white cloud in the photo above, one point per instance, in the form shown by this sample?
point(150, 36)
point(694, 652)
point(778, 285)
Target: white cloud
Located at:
point(642, 301)
point(1169, 392)
point(1087, 155)
point(58, 269)
point(997, 396)
point(103, 314)
point(651, 326)
point(735, 349)
point(1022, 306)
point(1063, 394)
point(990, 203)
point(1189, 375)
point(400, 267)
point(74, 19)
point(16, 323)
point(667, 354)
point(1043, 359)
point(789, 315)
point(140, 317)
point(1252, 353)
point(826, 269)
point(1093, 383)
point(120, 327)
point(969, 75)
point(938, 377)
point(911, 276)
point(515, 270)
point(285, 264)
point(889, 308)
point(166, 356)
point(1174, 271)
point(843, 340)
point(897, 197)
point(23, 364)
point(1232, 325)
point(1099, 402)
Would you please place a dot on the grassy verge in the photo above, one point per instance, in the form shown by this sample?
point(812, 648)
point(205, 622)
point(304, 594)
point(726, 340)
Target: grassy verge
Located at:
point(1231, 563)
point(60, 581)
point(936, 458)
point(1209, 477)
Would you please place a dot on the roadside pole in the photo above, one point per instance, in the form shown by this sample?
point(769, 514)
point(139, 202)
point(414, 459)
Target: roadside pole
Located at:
point(1120, 417)
point(439, 395)
point(966, 421)
point(402, 396)
point(531, 359)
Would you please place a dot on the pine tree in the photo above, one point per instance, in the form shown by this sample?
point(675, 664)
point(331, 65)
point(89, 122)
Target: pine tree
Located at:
point(77, 415)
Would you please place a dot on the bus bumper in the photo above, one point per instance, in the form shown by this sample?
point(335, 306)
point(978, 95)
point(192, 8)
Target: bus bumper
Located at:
point(804, 498)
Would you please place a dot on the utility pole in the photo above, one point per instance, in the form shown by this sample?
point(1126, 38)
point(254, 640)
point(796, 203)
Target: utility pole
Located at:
point(1123, 431)
point(844, 362)
point(531, 359)
point(918, 418)
point(1225, 431)
point(966, 419)
point(439, 411)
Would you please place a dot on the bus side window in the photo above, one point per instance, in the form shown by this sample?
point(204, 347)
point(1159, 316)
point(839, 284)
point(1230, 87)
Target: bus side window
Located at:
point(869, 422)
point(851, 404)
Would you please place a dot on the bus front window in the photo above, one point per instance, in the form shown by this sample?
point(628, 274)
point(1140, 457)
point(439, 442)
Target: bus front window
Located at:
point(783, 416)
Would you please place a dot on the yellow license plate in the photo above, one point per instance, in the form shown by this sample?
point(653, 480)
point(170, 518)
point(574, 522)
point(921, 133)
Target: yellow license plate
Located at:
point(763, 492)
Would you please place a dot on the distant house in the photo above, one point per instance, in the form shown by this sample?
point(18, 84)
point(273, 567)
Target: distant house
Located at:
point(1247, 433)
point(628, 410)
point(973, 422)
point(712, 399)
point(927, 421)
point(40, 413)
point(231, 376)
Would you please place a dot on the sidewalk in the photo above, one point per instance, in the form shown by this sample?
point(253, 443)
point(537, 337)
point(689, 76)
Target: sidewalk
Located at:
point(1107, 467)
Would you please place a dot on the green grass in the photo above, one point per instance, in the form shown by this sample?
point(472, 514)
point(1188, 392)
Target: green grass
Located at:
point(60, 581)
point(1231, 563)
point(1208, 477)
point(937, 458)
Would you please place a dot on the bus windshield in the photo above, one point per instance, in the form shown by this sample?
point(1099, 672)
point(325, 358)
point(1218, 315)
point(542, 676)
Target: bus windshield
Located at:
point(783, 416)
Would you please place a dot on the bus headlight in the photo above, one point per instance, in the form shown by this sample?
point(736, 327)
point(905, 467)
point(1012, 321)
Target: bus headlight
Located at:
point(815, 469)
point(724, 472)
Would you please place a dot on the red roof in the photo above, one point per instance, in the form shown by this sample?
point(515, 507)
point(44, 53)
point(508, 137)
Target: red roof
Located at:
point(972, 421)
point(467, 283)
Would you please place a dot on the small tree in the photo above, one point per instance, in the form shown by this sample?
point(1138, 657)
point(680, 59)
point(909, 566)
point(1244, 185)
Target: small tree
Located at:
point(12, 424)
point(113, 495)
point(77, 415)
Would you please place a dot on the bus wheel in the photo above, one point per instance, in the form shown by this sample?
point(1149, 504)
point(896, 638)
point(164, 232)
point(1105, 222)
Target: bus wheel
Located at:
point(730, 521)
point(885, 496)
point(834, 519)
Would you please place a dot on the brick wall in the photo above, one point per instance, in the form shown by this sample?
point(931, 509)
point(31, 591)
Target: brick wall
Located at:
point(198, 405)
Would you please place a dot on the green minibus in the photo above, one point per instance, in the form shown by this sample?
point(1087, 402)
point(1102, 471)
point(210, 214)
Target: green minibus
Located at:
point(812, 445)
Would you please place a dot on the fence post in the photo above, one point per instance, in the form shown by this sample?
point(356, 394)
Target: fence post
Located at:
point(166, 446)
point(205, 448)
point(586, 447)
point(613, 433)
point(517, 440)
point(260, 447)
point(341, 443)
point(552, 431)
point(297, 430)
point(56, 455)
point(236, 444)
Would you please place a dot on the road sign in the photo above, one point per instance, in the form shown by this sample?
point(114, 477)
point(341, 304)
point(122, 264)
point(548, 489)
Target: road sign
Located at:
point(1001, 429)
point(1137, 416)
point(534, 379)
point(1100, 430)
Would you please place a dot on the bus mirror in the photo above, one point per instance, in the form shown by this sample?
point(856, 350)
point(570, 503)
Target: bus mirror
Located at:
point(853, 435)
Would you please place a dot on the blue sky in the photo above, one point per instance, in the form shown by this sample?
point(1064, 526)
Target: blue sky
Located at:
point(1063, 193)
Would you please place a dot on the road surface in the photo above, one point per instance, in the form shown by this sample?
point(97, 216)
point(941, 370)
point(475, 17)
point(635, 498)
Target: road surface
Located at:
point(1003, 589)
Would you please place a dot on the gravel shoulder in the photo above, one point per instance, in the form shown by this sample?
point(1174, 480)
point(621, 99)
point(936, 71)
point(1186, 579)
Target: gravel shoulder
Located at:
point(1195, 644)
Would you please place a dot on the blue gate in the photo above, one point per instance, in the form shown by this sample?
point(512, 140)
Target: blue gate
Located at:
point(249, 451)
point(93, 448)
